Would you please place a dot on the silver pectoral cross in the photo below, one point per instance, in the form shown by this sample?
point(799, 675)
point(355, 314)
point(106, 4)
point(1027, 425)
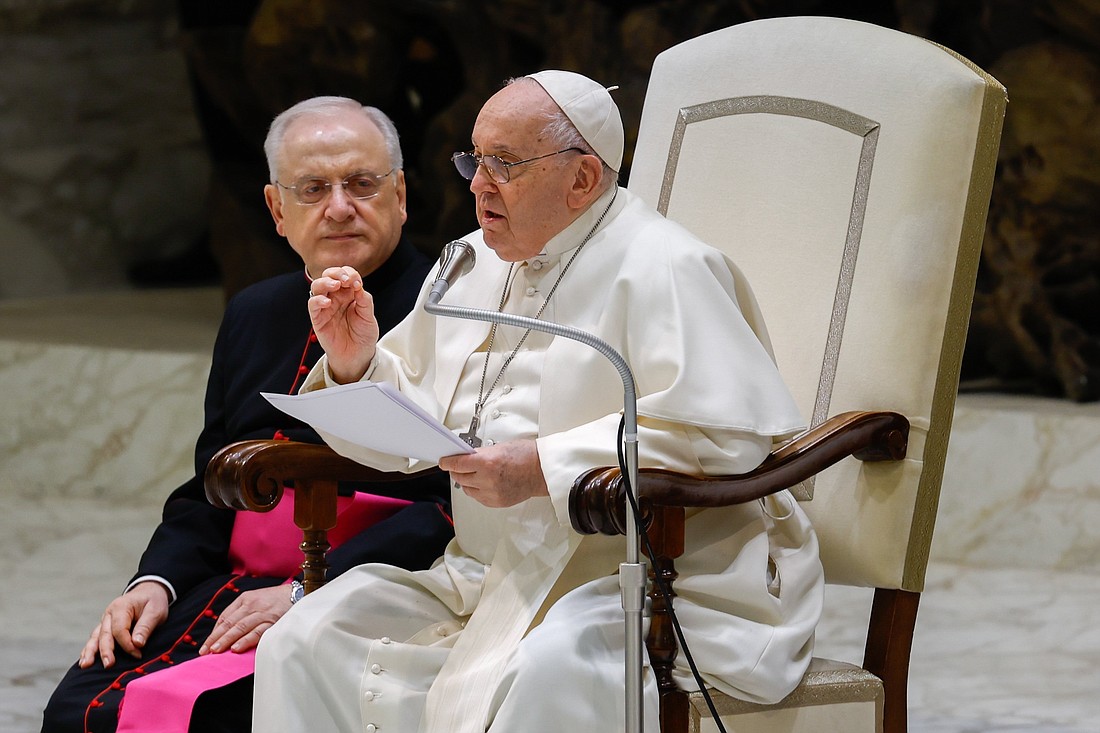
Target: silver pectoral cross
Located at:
point(470, 436)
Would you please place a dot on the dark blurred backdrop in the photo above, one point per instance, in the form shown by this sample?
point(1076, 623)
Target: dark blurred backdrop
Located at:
point(431, 63)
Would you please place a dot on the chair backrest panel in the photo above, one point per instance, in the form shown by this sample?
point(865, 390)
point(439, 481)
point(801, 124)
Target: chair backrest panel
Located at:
point(844, 168)
point(782, 206)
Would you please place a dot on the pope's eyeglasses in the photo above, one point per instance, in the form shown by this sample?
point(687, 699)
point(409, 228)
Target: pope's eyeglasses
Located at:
point(498, 170)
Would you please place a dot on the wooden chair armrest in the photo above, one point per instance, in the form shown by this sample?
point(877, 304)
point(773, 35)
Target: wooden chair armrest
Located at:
point(250, 475)
point(597, 501)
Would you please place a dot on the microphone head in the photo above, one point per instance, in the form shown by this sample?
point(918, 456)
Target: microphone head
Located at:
point(457, 258)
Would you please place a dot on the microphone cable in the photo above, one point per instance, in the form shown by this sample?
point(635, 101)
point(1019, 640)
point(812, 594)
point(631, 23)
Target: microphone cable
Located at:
point(659, 581)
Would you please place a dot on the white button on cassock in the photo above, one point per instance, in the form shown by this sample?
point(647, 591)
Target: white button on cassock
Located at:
point(376, 669)
point(371, 728)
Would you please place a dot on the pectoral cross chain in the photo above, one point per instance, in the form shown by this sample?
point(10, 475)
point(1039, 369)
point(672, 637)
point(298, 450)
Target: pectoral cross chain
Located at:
point(470, 436)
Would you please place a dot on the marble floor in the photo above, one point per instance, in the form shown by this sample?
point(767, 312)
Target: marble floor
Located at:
point(1006, 637)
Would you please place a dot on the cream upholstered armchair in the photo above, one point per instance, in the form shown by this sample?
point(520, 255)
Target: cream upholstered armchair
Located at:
point(846, 169)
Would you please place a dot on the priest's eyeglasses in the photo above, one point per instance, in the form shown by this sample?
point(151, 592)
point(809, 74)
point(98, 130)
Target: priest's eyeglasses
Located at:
point(362, 185)
point(498, 170)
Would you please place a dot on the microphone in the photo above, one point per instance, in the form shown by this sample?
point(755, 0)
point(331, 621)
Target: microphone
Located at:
point(456, 259)
point(632, 573)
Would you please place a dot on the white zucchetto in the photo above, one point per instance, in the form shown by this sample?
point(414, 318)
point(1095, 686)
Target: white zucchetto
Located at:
point(589, 107)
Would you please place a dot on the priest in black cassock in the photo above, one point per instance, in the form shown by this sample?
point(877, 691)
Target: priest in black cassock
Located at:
point(174, 652)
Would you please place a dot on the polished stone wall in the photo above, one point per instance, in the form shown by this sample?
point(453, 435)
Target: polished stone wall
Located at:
point(1021, 485)
point(102, 403)
point(102, 164)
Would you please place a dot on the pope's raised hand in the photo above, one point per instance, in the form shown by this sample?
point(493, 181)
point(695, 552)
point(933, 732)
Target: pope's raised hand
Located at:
point(343, 319)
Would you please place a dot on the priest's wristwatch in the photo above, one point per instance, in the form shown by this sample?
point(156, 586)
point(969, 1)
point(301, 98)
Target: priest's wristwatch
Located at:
point(297, 591)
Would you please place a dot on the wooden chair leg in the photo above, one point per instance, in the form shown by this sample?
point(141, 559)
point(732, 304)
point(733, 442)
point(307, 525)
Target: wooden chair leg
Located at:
point(889, 644)
point(315, 515)
point(666, 536)
point(674, 712)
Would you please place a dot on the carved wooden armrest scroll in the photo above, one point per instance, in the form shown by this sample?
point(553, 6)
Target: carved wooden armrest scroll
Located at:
point(597, 501)
point(250, 475)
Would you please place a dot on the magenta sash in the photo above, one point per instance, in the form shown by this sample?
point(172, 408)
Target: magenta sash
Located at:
point(261, 545)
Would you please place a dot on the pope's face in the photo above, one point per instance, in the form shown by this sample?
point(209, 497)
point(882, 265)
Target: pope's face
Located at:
point(338, 230)
point(519, 217)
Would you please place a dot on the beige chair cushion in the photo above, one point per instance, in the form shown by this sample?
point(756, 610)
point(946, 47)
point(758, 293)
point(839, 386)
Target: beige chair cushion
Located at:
point(833, 696)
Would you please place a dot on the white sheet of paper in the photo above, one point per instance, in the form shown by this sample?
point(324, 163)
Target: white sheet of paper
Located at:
point(374, 415)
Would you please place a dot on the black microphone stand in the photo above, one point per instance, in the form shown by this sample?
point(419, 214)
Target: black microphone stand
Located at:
point(632, 573)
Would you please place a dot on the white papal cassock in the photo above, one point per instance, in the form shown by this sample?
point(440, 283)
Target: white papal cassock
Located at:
point(519, 626)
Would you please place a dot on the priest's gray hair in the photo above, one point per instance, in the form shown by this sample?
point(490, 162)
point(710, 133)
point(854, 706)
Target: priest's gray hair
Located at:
point(273, 144)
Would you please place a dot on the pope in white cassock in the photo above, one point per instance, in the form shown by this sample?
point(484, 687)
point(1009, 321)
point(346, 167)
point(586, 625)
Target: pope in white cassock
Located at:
point(519, 626)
